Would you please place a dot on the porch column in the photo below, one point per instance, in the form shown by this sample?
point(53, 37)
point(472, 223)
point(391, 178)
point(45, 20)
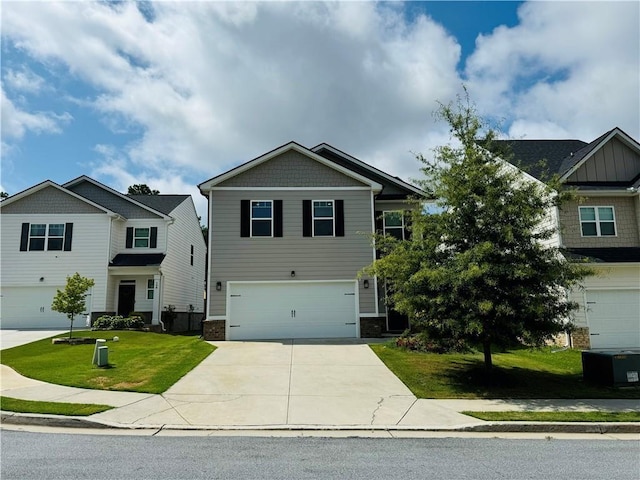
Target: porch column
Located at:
point(155, 319)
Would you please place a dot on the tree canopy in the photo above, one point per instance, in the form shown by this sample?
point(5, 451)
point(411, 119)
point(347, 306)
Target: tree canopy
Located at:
point(71, 300)
point(141, 189)
point(482, 269)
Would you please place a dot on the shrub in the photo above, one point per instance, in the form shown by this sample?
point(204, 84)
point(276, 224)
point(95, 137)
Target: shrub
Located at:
point(422, 342)
point(118, 322)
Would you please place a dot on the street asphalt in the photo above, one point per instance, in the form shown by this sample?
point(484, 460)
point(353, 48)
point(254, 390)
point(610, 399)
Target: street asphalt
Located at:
point(285, 385)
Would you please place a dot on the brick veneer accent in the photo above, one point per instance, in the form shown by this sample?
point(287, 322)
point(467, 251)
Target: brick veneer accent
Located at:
point(213, 330)
point(371, 327)
point(580, 338)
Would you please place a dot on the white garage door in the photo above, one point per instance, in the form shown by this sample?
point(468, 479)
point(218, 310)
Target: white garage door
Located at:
point(614, 318)
point(30, 307)
point(292, 310)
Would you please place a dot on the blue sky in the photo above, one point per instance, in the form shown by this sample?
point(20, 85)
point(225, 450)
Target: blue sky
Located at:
point(173, 94)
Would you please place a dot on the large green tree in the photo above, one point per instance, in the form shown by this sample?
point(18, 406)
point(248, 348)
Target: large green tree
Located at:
point(481, 270)
point(71, 300)
point(141, 189)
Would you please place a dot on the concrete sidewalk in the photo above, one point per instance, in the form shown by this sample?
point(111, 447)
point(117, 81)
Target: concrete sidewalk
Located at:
point(288, 385)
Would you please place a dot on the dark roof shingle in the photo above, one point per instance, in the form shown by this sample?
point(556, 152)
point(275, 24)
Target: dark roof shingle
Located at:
point(137, 260)
point(162, 203)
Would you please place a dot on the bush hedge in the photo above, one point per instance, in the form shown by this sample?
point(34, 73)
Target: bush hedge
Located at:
point(118, 322)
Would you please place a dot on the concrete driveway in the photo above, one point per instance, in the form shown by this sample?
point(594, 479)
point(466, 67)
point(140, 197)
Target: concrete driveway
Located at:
point(289, 382)
point(13, 338)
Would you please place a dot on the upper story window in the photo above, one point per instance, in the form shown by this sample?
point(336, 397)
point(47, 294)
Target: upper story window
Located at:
point(42, 236)
point(394, 224)
point(142, 237)
point(323, 218)
point(261, 218)
point(192, 255)
point(597, 221)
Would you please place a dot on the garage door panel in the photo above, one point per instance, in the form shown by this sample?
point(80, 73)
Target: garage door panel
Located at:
point(614, 318)
point(292, 310)
point(30, 307)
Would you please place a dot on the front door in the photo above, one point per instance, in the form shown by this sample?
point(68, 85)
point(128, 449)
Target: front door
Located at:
point(126, 299)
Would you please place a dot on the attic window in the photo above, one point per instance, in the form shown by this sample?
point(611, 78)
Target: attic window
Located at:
point(597, 222)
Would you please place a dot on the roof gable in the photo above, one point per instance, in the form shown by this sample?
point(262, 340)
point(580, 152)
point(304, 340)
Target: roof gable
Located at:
point(112, 199)
point(50, 198)
point(279, 154)
point(613, 158)
point(392, 186)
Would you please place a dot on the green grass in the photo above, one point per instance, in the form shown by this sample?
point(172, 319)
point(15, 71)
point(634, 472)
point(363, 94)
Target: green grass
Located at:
point(556, 416)
point(139, 362)
point(9, 404)
point(518, 373)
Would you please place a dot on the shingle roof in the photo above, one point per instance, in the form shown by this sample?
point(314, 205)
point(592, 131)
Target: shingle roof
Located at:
point(162, 203)
point(137, 260)
point(527, 154)
point(605, 255)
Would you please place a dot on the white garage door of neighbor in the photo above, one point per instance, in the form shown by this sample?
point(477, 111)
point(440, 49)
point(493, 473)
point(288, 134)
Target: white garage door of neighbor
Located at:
point(614, 318)
point(292, 310)
point(30, 307)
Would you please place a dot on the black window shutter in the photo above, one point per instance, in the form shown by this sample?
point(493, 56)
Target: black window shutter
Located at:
point(24, 238)
point(129, 237)
point(68, 235)
point(154, 237)
point(277, 218)
point(379, 223)
point(306, 218)
point(407, 224)
point(245, 219)
point(339, 218)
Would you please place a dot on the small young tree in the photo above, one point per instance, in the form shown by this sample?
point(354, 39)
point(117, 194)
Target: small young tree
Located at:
point(479, 271)
point(71, 300)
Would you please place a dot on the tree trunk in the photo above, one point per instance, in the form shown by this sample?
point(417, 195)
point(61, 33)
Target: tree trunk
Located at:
point(488, 363)
point(71, 327)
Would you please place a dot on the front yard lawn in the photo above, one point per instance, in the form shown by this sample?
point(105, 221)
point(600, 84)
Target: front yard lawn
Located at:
point(556, 416)
point(138, 362)
point(518, 373)
point(9, 404)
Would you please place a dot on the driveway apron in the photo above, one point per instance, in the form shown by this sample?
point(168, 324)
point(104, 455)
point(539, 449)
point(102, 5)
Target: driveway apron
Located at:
point(288, 382)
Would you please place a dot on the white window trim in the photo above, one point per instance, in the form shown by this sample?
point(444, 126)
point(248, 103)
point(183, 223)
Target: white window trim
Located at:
point(395, 227)
point(251, 219)
point(46, 237)
point(314, 218)
point(598, 221)
point(148, 237)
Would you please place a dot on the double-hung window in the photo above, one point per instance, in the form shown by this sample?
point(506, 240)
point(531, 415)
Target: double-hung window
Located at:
point(323, 218)
point(46, 237)
point(597, 221)
point(262, 218)
point(394, 224)
point(141, 237)
point(150, 288)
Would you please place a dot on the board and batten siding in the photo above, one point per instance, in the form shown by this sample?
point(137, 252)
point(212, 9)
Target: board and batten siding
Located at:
point(89, 248)
point(183, 282)
point(613, 162)
point(234, 258)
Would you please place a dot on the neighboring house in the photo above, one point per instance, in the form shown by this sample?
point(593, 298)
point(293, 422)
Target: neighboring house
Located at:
point(289, 234)
point(602, 227)
point(143, 253)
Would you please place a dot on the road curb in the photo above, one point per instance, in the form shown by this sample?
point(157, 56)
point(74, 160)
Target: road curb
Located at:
point(13, 418)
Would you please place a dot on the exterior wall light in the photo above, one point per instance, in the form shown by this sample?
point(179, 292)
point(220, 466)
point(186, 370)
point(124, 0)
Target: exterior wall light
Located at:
point(218, 286)
point(293, 273)
point(366, 284)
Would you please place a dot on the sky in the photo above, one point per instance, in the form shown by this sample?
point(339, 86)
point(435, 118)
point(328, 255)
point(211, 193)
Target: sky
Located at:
point(172, 94)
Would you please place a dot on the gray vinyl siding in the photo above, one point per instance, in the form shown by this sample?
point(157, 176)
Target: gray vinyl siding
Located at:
point(626, 223)
point(271, 259)
point(614, 162)
point(113, 202)
point(291, 169)
point(49, 200)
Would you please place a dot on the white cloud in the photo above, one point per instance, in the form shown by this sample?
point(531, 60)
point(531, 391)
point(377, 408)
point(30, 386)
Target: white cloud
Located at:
point(23, 80)
point(203, 86)
point(565, 70)
point(16, 122)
